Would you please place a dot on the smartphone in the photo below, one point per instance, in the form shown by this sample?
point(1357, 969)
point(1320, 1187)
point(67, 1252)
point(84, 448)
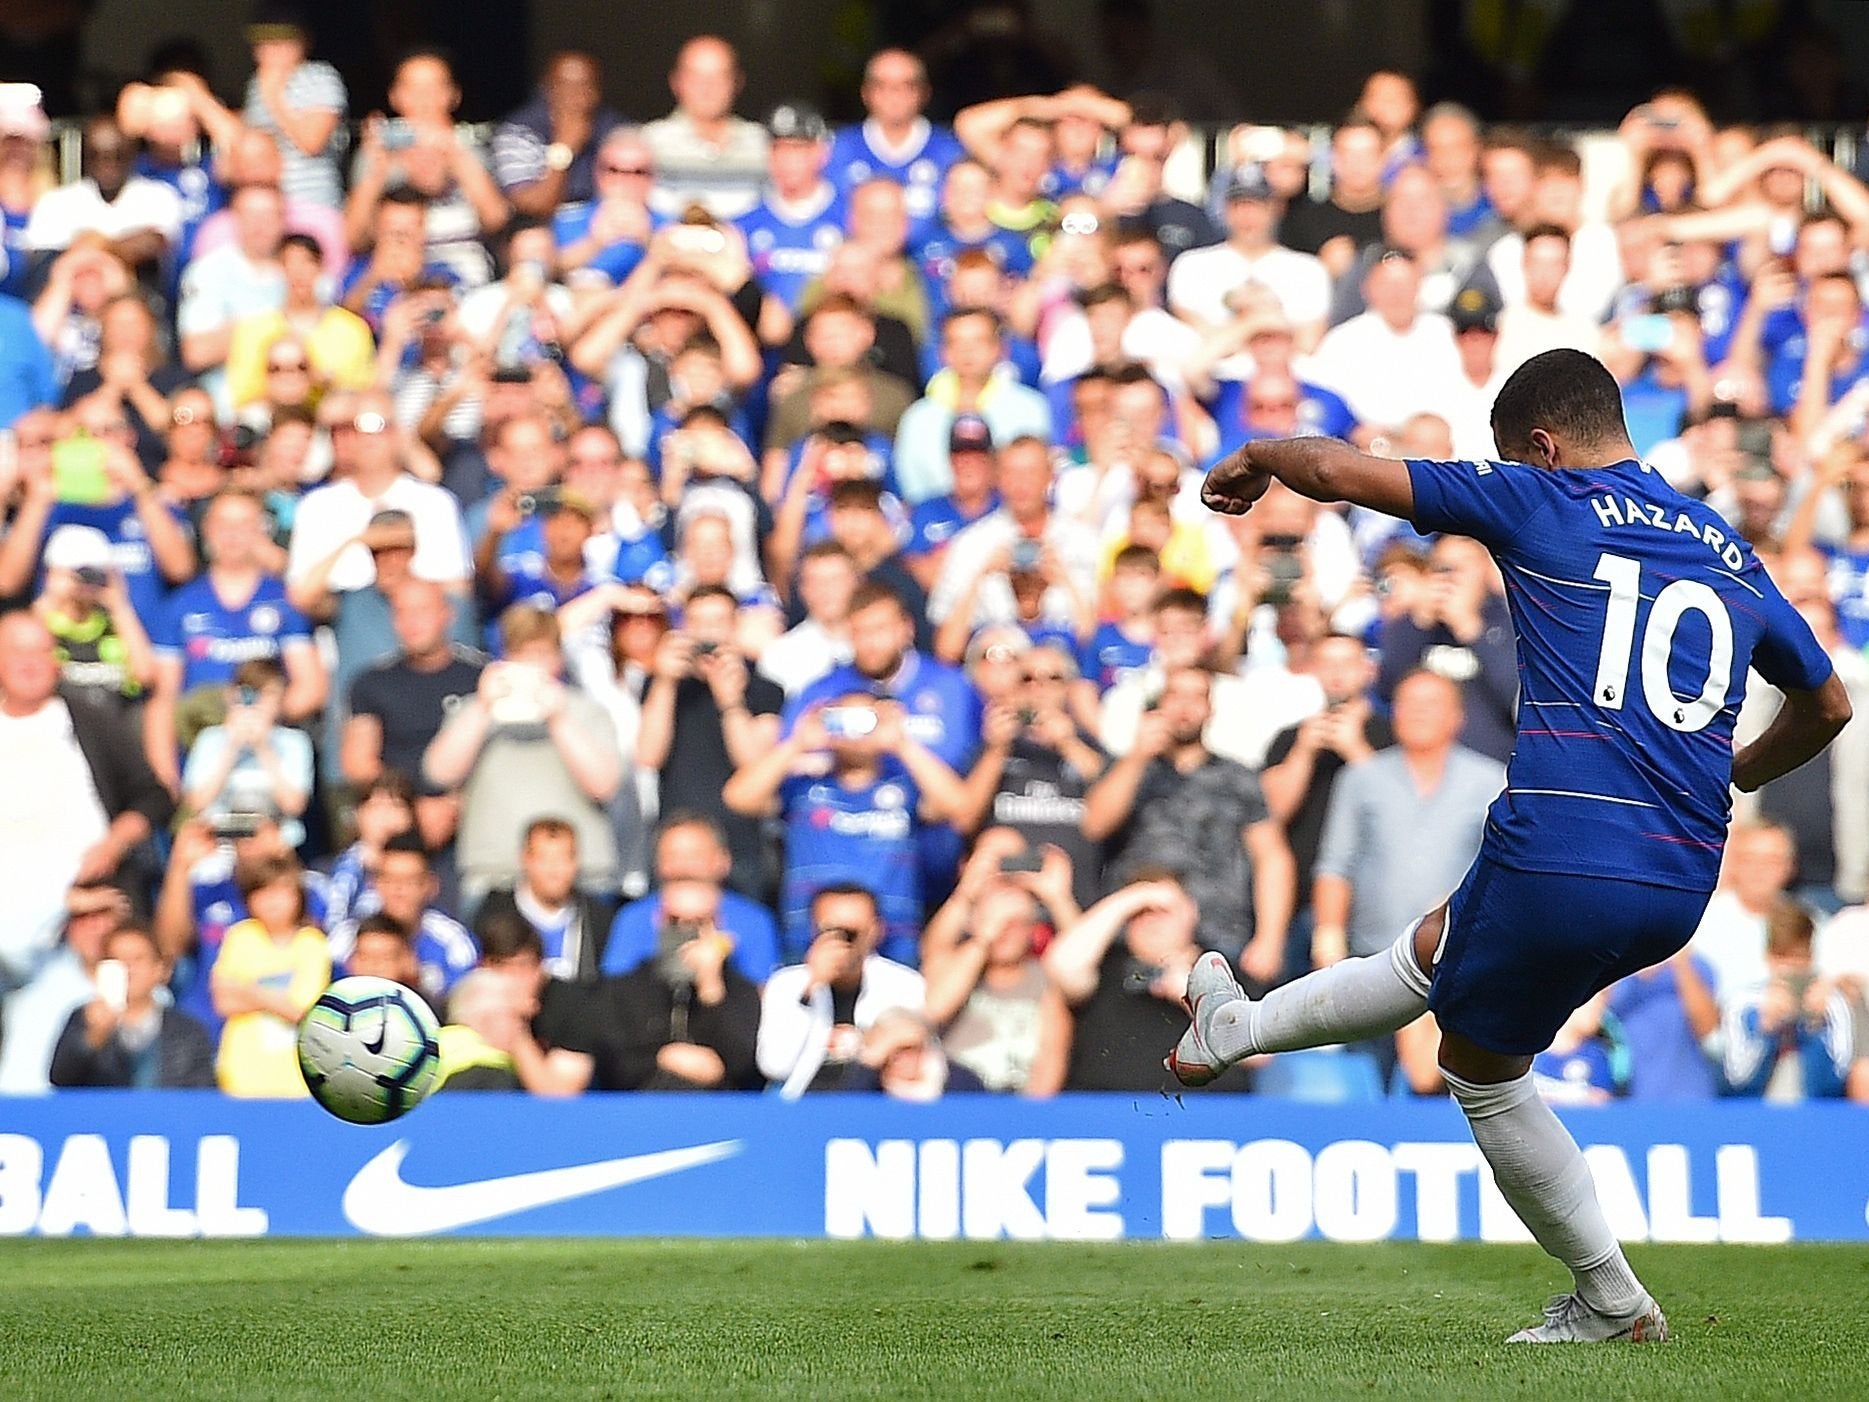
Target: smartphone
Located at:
point(1021, 861)
point(1650, 333)
point(398, 134)
point(849, 722)
point(1026, 555)
point(113, 983)
point(78, 474)
point(226, 826)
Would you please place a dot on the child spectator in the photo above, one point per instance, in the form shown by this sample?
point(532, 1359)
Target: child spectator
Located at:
point(271, 969)
point(251, 762)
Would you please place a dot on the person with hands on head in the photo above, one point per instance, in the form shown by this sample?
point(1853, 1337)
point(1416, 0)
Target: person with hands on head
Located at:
point(856, 791)
point(124, 1037)
point(1122, 968)
point(999, 1015)
point(813, 1014)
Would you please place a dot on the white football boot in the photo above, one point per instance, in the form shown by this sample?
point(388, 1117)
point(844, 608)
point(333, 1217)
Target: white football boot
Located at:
point(1568, 1320)
point(1211, 985)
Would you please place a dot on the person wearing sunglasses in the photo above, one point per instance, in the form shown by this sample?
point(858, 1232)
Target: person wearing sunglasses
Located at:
point(293, 354)
point(607, 236)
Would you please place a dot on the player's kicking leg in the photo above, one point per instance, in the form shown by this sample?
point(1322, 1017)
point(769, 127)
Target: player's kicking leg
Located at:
point(1348, 1001)
point(1541, 1172)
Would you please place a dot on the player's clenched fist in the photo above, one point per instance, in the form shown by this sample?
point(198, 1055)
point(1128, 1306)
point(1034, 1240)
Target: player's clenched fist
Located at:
point(1235, 484)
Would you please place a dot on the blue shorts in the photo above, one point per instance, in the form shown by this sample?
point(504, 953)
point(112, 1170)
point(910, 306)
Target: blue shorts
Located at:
point(1525, 949)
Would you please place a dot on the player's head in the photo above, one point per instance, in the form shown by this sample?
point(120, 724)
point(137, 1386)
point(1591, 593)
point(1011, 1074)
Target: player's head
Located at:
point(1561, 409)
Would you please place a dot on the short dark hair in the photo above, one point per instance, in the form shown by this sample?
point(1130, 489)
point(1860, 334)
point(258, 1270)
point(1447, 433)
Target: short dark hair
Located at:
point(862, 493)
point(1184, 599)
point(1561, 391)
point(388, 781)
point(872, 592)
point(303, 242)
point(1546, 231)
point(847, 888)
point(547, 828)
point(259, 673)
point(506, 934)
point(257, 873)
point(713, 591)
point(408, 842)
point(962, 313)
point(692, 818)
point(137, 930)
point(382, 923)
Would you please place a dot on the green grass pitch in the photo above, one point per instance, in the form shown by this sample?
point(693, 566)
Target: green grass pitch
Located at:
point(633, 1320)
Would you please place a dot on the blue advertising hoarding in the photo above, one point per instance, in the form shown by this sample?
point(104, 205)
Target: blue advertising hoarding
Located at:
point(177, 1164)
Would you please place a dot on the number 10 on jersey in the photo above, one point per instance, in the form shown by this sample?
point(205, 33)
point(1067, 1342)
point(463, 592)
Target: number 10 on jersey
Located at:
point(1683, 596)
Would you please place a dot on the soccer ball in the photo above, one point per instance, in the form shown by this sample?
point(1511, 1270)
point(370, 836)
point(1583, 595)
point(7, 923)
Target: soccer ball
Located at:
point(370, 1050)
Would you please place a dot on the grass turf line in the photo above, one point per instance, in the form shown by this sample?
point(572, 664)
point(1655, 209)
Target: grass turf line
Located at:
point(632, 1320)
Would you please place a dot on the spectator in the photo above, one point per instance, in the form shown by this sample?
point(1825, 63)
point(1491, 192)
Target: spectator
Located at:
point(686, 1019)
point(270, 970)
point(1799, 1026)
point(1171, 803)
point(903, 1058)
point(385, 809)
point(24, 129)
point(704, 154)
point(1557, 198)
point(813, 1014)
point(819, 641)
point(571, 925)
point(103, 652)
point(1843, 471)
point(396, 262)
point(234, 612)
point(607, 235)
point(973, 380)
point(1470, 643)
point(691, 850)
point(298, 101)
point(1037, 765)
point(305, 347)
point(895, 142)
point(486, 1015)
point(544, 155)
point(1536, 323)
point(799, 215)
point(381, 948)
point(1135, 193)
point(705, 714)
point(82, 799)
point(249, 761)
point(239, 280)
point(1022, 535)
point(525, 746)
point(328, 553)
point(420, 147)
point(1394, 359)
point(1348, 219)
point(961, 226)
point(138, 220)
point(1302, 768)
point(1203, 281)
point(1401, 828)
point(253, 158)
point(1178, 640)
point(134, 371)
point(1757, 870)
point(36, 1008)
point(855, 790)
point(405, 889)
point(559, 1025)
point(1414, 225)
point(1450, 140)
point(1588, 1062)
point(1123, 967)
point(200, 899)
point(1667, 1013)
point(1000, 1016)
point(974, 471)
point(124, 1037)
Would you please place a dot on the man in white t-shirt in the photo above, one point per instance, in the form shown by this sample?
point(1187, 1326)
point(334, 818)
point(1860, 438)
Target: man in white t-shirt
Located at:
point(141, 218)
point(1538, 322)
point(327, 553)
point(237, 280)
point(1201, 280)
point(1393, 360)
point(79, 799)
point(827, 577)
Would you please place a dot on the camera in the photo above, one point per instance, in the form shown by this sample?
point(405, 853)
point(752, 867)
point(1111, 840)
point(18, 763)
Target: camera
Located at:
point(701, 239)
point(248, 696)
point(91, 576)
point(517, 695)
point(1021, 862)
point(1078, 222)
point(226, 826)
point(1283, 567)
point(1027, 715)
point(1025, 555)
point(849, 722)
point(706, 648)
point(1678, 298)
point(526, 503)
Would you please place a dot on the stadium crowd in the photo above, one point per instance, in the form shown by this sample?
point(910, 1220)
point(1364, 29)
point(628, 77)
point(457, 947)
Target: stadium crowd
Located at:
point(725, 604)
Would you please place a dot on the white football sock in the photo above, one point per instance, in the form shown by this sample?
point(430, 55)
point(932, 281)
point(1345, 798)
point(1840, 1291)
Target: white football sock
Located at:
point(1541, 1172)
point(1343, 1002)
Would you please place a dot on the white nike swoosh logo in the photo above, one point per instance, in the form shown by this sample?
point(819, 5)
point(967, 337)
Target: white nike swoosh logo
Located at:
point(379, 1202)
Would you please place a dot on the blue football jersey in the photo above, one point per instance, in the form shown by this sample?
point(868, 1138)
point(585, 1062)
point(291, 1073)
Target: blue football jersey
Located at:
point(1638, 611)
point(789, 248)
point(918, 165)
point(212, 638)
point(864, 835)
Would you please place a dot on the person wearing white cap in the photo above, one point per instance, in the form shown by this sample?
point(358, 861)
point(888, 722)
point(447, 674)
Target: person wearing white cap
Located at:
point(103, 651)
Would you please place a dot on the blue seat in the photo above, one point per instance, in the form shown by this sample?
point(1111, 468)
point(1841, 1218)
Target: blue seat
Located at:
point(1325, 1076)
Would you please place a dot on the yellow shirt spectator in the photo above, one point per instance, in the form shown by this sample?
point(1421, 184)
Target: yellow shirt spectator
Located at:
point(339, 344)
point(259, 978)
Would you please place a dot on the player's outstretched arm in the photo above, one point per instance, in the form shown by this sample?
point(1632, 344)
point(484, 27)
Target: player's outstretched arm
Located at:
point(1808, 721)
point(1324, 469)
